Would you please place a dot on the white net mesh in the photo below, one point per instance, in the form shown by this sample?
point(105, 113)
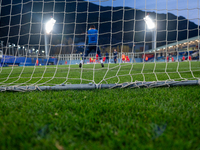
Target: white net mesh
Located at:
point(165, 50)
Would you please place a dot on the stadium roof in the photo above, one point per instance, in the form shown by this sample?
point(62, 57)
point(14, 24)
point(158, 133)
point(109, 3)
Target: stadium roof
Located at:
point(176, 43)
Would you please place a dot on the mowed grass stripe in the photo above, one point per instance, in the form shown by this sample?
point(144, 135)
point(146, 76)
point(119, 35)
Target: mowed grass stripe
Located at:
point(111, 73)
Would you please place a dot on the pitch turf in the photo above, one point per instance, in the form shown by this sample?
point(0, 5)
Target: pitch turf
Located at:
point(157, 118)
point(112, 73)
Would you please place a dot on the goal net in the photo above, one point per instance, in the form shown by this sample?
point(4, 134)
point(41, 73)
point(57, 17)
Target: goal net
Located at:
point(85, 44)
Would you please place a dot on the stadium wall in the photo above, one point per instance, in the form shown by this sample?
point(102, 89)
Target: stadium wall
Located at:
point(27, 61)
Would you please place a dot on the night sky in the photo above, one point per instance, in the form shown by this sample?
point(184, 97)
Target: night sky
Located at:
point(186, 8)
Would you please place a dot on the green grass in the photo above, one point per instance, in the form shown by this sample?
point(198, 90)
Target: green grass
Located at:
point(112, 73)
point(155, 118)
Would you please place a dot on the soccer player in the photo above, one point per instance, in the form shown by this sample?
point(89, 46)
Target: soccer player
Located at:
point(97, 56)
point(127, 59)
point(104, 59)
point(123, 58)
point(107, 57)
point(167, 58)
point(115, 56)
point(91, 60)
point(92, 44)
point(146, 58)
point(37, 62)
point(172, 59)
point(190, 58)
point(183, 58)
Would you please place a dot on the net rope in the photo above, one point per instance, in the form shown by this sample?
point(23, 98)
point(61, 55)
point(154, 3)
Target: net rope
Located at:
point(24, 42)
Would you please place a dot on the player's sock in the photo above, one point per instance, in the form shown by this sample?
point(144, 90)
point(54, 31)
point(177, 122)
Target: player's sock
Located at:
point(102, 65)
point(80, 65)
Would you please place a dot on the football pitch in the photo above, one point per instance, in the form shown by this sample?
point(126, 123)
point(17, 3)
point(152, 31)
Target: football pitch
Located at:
point(94, 73)
point(139, 118)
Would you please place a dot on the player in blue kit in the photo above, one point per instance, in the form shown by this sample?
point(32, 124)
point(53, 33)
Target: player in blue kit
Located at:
point(115, 56)
point(92, 44)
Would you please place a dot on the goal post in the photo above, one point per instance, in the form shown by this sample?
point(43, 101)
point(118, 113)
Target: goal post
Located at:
point(140, 44)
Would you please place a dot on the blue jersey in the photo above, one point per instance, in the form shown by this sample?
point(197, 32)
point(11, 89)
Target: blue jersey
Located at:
point(92, 36)
point(115, 54)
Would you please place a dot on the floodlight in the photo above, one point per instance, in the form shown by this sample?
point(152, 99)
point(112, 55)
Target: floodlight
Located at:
point(49, 25)
point(149, 22)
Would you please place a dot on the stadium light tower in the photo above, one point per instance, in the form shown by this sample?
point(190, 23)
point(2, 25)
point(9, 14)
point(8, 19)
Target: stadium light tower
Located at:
point(48, 28)
point(151, 25)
